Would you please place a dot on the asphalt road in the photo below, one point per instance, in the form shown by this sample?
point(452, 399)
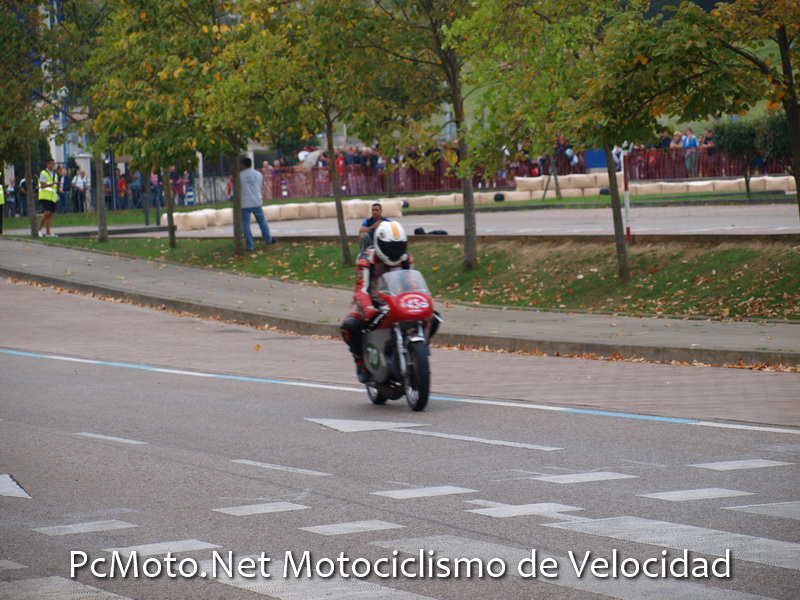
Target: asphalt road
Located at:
point(155, 432)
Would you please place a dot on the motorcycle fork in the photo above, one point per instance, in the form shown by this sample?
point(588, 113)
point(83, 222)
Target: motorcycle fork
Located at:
point(402, 350)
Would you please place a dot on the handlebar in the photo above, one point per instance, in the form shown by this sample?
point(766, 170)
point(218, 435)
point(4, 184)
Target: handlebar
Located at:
point(376, 320)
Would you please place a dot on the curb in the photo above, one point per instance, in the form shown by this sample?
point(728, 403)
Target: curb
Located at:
point(709, 356)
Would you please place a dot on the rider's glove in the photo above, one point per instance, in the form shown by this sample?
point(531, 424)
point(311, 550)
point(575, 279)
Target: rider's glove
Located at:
point(371, 312)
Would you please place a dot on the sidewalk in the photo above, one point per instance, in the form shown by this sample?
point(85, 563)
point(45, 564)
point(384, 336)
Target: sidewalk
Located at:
point(310, 309)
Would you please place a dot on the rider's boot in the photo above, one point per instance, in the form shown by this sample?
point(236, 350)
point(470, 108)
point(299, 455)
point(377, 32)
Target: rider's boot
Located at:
point(361, 371)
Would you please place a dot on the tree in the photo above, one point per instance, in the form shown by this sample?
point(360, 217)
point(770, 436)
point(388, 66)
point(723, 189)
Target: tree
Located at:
point(772, 138)
point(737, 139)
point(414, 36)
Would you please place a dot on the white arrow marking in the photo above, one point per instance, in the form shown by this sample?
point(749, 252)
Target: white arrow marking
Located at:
point(9, 487)
point(355, 426)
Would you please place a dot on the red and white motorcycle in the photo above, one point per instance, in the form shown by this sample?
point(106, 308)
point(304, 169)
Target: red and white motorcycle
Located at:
point(395, 342)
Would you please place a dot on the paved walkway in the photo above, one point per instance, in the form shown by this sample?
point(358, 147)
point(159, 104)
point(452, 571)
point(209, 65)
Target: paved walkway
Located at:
point(310, 309)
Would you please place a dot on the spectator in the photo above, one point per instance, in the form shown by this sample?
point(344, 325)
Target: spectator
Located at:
point(107, 196)
point(48, 196)
point(80, 186)
point(135, 189)
point(368, 227)
point(2, 202)
point(711, 158)
point(689, 145)
point(122, 190)
point(251, 183)
point(677, 169)
point(64, 190)
point(23, 196)
point(11, 198)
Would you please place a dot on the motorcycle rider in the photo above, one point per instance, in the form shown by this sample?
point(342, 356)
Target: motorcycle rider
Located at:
point(388, 254)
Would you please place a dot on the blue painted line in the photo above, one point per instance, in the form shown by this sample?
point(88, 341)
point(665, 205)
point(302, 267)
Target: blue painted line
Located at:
point(510, 403)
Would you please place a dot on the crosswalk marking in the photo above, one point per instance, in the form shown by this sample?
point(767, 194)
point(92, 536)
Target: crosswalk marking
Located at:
point(164, 547)
point(785, 510)
point(698, 494)
point(352, 527)
point(110, 438)
point(444, 490)
point(584, 477)
point(260, 509)
point(10, 488)
point(10, 565)
point(335, 588)
point(467, 438)
point(295, 470)
point(733, 465)
point(353, 426)
point(53, 588)
point(698, 539)
point(545, 509)
point(90, 527)
point(640, 588)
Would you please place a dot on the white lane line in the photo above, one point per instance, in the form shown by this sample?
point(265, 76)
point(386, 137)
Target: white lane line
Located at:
point(784, 510)
point(10, 565)
point(443, 490)
point(734, 465)
point(302, 588)
point(584, 477)
point(544, 509)
point(164, 547)
point(466, 438)
point(695, 539)
point(260, 509)
point(744, 427)
point(10, 488)
point(453, 547)
point(295, 470)
point(110, 438)
point(53, 588)
point(698, 494)
point(352, 527)
point(90, 527)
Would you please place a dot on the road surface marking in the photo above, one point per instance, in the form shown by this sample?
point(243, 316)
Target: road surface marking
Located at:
point(10, 488)
point(545, 509)
point(53, 588)
point(696, 539)
point(90, 527)
point(164, 547)
point(295, 470)
point(352, 426)
point(698, 494)
point(110, 438)
point(584, 477)
point(353, 527)
point(466, 438)
point(302, 588)
point(448, 546)
point(734, 465)
point(444, 490)
point(360, 389)
point(10, 565)
point(784, 510)
point(260, 509)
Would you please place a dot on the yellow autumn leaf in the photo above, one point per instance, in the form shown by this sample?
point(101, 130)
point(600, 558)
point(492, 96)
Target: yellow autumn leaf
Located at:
point(257, 347)
point(129, 105)
point(142, 15)
point(642, 59)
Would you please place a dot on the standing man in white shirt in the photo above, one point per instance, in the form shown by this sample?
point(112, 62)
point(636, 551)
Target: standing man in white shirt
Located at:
point(80, 185)
point(252, 182)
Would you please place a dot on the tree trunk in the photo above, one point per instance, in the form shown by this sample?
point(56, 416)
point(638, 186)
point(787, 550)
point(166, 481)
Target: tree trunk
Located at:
point(470, 224)
point(238, 223)
point(791, 104)
point(173, 242)
point(30, 196)
point(347, 261)
point(619, 228)
point(100, 200)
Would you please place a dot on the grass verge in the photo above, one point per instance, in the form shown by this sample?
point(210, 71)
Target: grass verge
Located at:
point(743, 280)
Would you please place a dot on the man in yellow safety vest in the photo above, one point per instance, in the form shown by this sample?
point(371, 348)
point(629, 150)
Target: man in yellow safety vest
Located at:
point(48, 196)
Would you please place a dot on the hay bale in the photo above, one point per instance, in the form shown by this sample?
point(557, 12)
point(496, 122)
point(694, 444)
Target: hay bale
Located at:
point(327, 210)
point(646, 189)
point(584, 180)
point(418, 201)
point(591, 192)
point(271, 212)
point(728, 185)
point(570, 192)
point(309, 210)
point(529, 184)
point(392, 207)
point(290, 212)
point(193, 221)
point(224, 217)
point(517, 196)
point(673, 187)
point(758, 184)
point(700, 186)
point(447, 200)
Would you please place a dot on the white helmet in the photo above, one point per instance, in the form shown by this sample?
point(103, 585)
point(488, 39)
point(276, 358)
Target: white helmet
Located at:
point(390, 242)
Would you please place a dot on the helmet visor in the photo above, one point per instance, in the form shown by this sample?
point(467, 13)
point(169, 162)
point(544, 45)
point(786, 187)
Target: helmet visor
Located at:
point(394, 251)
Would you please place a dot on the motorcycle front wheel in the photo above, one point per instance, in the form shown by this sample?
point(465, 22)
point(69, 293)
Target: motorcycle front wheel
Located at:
point(418, 381)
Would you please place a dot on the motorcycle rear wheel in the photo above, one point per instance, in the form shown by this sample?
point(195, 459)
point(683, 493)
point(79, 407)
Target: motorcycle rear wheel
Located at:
point(418, 382)
point(374, 394)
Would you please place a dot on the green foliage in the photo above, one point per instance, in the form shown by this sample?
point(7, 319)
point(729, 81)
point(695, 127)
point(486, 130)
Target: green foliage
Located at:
point(736, 138)
point(772, 137)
